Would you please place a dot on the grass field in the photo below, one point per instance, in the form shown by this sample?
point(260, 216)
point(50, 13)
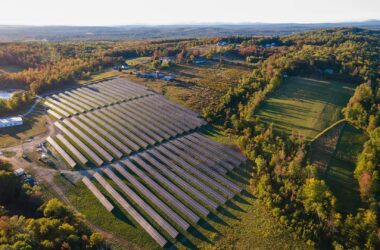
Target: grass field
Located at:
point(340, 177)
point(305, 105)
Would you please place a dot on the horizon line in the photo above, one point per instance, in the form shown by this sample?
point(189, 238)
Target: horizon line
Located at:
point(193, 23)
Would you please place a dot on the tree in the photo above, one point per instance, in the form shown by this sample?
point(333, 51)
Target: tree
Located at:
point(56, 209)
point(96, 240)
point(317, 198)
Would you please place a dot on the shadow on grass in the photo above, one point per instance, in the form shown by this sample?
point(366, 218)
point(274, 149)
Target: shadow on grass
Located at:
point(209, 130)
point(207, 226)
point(227, 213)
point(197, 234)
point(234, 206)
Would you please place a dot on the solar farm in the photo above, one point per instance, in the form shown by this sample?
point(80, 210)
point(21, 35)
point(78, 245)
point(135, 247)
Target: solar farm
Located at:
point(144, 153)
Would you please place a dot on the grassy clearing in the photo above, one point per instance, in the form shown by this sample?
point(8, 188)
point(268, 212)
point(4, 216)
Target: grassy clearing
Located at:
point(100, 76)
point(304, 105)
point(139, 60)
point(33, 126)
point(340, 177)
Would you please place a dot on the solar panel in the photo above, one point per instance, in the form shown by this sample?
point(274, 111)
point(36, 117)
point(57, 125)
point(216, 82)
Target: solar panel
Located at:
point(148, 118)
point(70, 104)
point(92, 94)
point(57, 109)
point(201, 175)
point(193, 122)
point(85, 96)
point(73, 100)
point(142, 204)
point(101, 140)
point(98, 95)
point(184, 184)
point(72, 149)
point(80, 144)
point(131, 123)
point(213, 149)
point(155, 200)
point(170, 198)
point(155, 110)
point(229, 151)
point(154, 173)
point(184, 109)
point(106, 135)
point(185, 174)
point(54, 114)
point(212, 164)
point(127, 85)
point(132, 212)
point(79, 98)
point(144, 122)
point(89, 141)
point(107, 123)
point(200, 147)
point(103, 200)
point(62, 106)
point(109, 90)
point(62, 152)
point(133, 133)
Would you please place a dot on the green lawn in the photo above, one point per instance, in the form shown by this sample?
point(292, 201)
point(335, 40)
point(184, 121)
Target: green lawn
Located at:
point(340, 177)
point(305, 105)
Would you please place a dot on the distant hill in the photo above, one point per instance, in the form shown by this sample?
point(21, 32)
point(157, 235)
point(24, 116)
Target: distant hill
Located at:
point(64, 33)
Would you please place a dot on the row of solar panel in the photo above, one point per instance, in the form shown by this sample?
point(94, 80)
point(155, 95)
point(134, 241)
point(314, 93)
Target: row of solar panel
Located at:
point(94, 96)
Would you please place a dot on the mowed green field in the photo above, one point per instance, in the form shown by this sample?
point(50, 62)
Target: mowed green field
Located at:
point(305, 106)
point(340, 174)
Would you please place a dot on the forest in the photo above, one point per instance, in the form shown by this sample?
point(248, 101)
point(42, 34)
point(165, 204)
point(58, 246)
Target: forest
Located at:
point(46, 225)
point(292, 188)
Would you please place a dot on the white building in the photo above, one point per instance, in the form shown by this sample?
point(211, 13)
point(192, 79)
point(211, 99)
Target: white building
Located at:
point(11, 121)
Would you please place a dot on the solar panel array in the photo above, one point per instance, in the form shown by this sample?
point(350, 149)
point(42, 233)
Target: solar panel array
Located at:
point(116, 118)
point(94, 96)
point(171, 191)
point(152, 163)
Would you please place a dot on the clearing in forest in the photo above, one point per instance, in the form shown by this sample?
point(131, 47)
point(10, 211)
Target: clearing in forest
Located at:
point(340, 174)
point(305, 105)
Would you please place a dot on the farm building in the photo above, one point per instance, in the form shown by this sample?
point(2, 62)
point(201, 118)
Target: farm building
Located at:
point(10, 122)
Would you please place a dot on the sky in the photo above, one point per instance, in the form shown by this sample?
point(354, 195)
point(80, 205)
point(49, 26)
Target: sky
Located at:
point(153, 12)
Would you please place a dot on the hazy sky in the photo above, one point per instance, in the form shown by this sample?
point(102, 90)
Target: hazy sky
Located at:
point(119, 12)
